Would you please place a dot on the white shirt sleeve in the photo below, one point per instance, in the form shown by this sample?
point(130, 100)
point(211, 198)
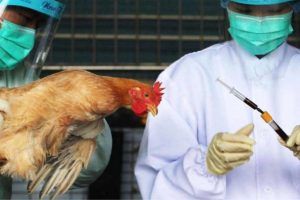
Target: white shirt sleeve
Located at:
point(171, 161)
point(171, 165)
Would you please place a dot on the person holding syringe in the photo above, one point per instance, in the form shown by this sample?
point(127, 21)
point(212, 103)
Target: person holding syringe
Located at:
point(207, 144)
point(291, 143)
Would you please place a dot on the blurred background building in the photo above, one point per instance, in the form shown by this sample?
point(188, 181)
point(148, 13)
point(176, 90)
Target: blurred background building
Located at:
point(136, 39)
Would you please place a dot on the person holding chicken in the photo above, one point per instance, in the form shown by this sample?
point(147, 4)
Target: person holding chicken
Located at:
point(26, 32)
point(203, 144)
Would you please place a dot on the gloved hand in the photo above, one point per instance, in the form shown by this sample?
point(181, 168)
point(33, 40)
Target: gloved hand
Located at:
point(227, 151)
point(293, 142)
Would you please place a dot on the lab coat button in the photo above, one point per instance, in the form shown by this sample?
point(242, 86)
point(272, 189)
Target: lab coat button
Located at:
point(268, 189)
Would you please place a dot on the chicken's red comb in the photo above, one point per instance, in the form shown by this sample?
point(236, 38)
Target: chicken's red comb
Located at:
point(158, 91)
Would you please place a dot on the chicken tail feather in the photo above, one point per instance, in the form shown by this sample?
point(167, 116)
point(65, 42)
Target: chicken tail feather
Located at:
point(41, 175)
point(60, 172)
point(70, 178)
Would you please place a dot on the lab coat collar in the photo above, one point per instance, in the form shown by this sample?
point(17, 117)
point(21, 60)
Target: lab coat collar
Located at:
point(256, 68)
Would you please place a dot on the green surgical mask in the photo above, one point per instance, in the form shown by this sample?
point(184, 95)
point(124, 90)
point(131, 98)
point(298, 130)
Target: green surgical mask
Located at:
point(259, 35)
point(16, 42)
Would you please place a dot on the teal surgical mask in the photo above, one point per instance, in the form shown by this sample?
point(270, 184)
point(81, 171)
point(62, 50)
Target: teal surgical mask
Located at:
point(259, 35)
point(16, 42)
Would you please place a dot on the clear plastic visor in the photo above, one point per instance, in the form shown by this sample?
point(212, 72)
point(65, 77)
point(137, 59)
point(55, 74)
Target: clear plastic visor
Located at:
point(260, 10)
point(25, 39)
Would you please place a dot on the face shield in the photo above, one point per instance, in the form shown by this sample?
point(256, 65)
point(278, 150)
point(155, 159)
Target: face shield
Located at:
point(27, 29)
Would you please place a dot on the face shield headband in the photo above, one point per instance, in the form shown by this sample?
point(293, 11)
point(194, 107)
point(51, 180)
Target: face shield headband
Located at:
point(51, 8)
point(295, 4)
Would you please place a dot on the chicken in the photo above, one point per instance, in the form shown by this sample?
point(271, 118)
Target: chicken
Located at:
point(44, 126)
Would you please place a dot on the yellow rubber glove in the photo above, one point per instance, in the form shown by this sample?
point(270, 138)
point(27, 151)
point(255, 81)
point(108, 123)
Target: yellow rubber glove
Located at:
point(293, 142)
point(227, 151)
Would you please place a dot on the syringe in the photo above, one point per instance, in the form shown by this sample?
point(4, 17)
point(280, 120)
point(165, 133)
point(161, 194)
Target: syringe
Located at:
point(264, 115)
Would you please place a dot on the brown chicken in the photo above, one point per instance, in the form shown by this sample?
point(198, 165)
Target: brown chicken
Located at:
point(42, 123)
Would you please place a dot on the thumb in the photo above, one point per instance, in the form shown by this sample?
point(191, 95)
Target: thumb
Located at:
point(280, 140)
point(246, 130)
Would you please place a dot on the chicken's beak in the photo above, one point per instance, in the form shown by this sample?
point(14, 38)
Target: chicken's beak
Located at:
point(153, 109)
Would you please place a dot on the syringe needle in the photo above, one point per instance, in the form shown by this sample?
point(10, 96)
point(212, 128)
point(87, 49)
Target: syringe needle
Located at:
point(224, 84)
point(232, 90)
point(240, 96)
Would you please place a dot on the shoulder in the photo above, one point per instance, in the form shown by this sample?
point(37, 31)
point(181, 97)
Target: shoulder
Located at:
point(214, 50)
point(194, 70)
point(199, 62)
point(292, 50)
point(293, 54)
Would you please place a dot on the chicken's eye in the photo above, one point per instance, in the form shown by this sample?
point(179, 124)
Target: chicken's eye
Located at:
point(146, 95)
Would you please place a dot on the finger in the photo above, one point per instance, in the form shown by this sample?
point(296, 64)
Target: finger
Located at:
point(214, 154)
point(296, 132)
point(294, 148)
point(237, 138)
point(238, 163)
point(225, 146)
point(292, 139)
point(216, 157)
point(296, 153)
point(246, 130)
point(297, 140)
point(233, 157)
point(215, 169)
point(296, 129)
point(212, 168)
point(283, 143)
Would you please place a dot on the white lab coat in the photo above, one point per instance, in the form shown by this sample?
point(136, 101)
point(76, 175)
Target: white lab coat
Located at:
point(171, 161)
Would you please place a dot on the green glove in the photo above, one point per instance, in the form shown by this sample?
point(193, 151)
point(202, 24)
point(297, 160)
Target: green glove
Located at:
point(227, 151)
point(293, 142)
